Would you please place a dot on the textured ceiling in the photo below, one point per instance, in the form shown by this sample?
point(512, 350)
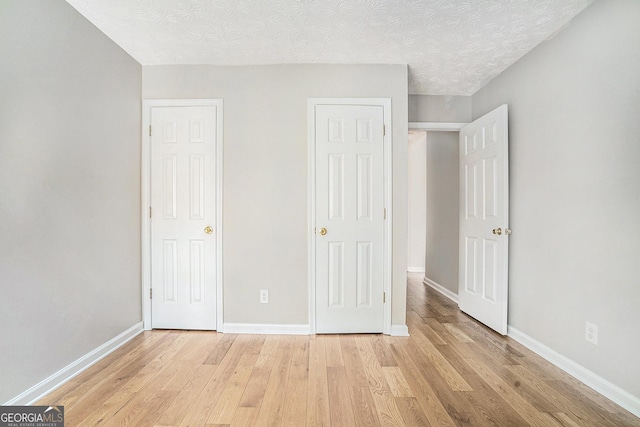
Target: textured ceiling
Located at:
point(452, 47)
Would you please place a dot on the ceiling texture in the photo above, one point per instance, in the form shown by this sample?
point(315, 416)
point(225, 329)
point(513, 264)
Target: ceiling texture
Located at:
point(452, 47)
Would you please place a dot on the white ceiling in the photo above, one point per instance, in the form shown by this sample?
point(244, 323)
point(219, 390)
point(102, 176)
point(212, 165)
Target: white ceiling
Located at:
point(452, 47)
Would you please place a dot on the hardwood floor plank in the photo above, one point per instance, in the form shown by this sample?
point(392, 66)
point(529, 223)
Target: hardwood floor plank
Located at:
point(139, 370)
point(201, 349)
point(84, 382)
point(396, 381)
point(517, 402)
point(565, 420)
point(352, 362)
point(208, 398)
point(412, 412)
point(364, 409)
point(115, 373)
point(339, 397)
point(491, 409)
point(230, 398)
point(181, 378)
point(271, 409)
point(134, 403)
point(382, 352)
point(122, 397)
point(186, 399)
point(256, 386)
point(430, 333)
point(583, 404)
point(333, 350)
point(442, 332)
point(456, 332)
point(219, 351)
point(144, 412)
point(421, 345)
point(451, 371)
point(386, 407)
point(269, 352)
point(295, 398)
point(476, 406)
point(318, 389)
point(244, 417)
point(431, 403)
point(528, 391)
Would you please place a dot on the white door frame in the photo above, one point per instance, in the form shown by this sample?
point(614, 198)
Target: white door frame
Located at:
point(145, 190)
point(437, 126)
point(385, 103)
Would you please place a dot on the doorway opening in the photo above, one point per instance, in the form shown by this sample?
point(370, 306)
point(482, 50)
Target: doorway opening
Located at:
point(434, 204)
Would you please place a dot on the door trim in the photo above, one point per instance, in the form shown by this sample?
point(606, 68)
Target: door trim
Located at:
point(145, 198)
point(385, 103)
point(436, 126)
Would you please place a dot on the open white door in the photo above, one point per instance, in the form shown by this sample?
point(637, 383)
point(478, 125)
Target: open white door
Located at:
point(349, 218)
point(484, 219)
point(183, 217)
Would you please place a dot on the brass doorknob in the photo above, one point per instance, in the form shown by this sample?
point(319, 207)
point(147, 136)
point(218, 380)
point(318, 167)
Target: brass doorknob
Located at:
point(497, 231)
point(208, 229)
point(323, 231)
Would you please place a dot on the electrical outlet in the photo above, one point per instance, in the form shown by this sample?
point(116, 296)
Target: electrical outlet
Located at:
point(264, 296)
point(591, 333)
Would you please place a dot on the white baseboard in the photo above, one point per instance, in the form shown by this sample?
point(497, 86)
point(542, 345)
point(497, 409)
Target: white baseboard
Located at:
point(399, 331)
point(415, 269)
point(611, 391)
point(54, 381)
point(265, 329)
point(438, 287)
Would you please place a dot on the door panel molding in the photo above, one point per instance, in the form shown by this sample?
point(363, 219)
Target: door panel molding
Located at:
point(145, 198)
point(483, 286)
point(385, 103)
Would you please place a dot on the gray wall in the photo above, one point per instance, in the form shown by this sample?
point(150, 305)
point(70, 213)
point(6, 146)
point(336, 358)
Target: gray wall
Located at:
point(265, 174)
point(574, 112)
point(443, 189)
point(439, 108)
point(441, 265)
point(417, 215)
point(69, 190)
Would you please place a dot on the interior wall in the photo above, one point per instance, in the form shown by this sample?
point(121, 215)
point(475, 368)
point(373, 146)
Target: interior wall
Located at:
point(69, 190)
point(417, 225)
point(265, 174)
point(443, 200)
point(439, 108)
point(574, 104)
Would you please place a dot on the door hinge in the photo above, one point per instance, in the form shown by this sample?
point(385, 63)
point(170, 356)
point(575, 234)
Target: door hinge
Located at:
point(384, 297)
point(150, 293)
point(385, 213)
point(149, 211)
point(149, 130)
point(384, 130)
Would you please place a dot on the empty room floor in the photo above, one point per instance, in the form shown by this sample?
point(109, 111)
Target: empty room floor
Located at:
point(451, 371)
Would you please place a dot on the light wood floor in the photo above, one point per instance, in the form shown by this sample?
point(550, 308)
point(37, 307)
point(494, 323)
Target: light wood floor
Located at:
point(451, 371)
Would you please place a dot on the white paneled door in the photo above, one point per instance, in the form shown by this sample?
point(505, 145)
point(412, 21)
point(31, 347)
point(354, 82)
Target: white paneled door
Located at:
point(349, 213)
point(183, 216)
point(484, 219)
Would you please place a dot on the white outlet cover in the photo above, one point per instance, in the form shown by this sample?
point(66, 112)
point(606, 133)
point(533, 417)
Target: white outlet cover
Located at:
point(591, 333)
point(264, 296)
